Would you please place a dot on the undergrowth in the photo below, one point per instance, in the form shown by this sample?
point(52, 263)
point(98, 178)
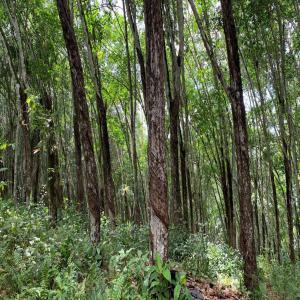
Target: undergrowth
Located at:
point(40, 262)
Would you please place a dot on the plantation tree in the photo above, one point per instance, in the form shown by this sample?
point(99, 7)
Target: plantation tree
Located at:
point(155, 105)
point(208, 89)
point(82, 113)
point(104, 137)
point(235, 90)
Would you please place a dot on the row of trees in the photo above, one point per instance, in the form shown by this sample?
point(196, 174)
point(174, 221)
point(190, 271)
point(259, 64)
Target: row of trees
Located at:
point(106, 139)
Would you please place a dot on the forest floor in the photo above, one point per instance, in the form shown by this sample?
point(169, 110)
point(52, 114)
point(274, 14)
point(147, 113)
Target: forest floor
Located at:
point(212, 291)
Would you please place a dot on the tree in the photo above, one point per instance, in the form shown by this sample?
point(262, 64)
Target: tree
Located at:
point(81, 110)
point(109, 187)
point(155, 104)
point(235, 90)
point(54, 182)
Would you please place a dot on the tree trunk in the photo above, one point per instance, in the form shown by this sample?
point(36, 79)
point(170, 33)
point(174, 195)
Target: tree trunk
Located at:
point(109, 188)
point(26, 142)
point(133, 101)
point(247, 240)
point(185, 204)
point(174, 105)
point(81, 109)
point(158, 198)
point(35, 165)
point(54, 182)
point(80, 196)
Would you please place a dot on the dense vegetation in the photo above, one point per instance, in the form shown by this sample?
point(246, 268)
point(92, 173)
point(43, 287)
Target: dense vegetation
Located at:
point(147, 144)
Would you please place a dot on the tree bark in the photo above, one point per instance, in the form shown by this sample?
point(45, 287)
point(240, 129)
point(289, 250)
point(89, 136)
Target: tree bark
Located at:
point(81, 109)
point(35, 176)
point(54, 182)
point(235, 90)
point(174, 106)
point(158, 198)
point(133, 101)
point(109, 188)
point(80, 195)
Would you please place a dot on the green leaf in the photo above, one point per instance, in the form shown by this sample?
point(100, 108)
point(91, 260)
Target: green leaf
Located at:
point(158, 262)
point(177, 292)
point(182, 278)
point(3, 146)
point(167, 274)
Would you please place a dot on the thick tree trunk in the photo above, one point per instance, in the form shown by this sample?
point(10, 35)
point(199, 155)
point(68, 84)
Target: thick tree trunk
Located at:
point(247, 240)
point(81, 109)
point(158, 198)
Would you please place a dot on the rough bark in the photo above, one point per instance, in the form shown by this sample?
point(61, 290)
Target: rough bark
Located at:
point(81, 109)
point(235, 90)
point(158, 198)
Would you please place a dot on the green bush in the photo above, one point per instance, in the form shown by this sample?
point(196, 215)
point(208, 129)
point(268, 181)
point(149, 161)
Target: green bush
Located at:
point(40, 262)
point(206, 259)
point(284, 278)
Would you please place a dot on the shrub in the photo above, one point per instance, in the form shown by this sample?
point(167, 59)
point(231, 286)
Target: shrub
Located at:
point(40, 262)
point(284, 278)
point(205, 259)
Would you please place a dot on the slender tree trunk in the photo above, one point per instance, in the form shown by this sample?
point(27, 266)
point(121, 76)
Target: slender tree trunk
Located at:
point(26, 137)
point(247, 240)
point(21, 85)
point(137, 44)
point(35, 165)
point(17, 169)
point(137, 204)
point(80, 196)
point(174, 105)
point(109, 188)
point(81, 109)
point(54, 182)
point(158, 197)
point(185, 203)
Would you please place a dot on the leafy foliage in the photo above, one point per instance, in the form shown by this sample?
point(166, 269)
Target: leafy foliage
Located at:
point(212, 260)
point(40, 262)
